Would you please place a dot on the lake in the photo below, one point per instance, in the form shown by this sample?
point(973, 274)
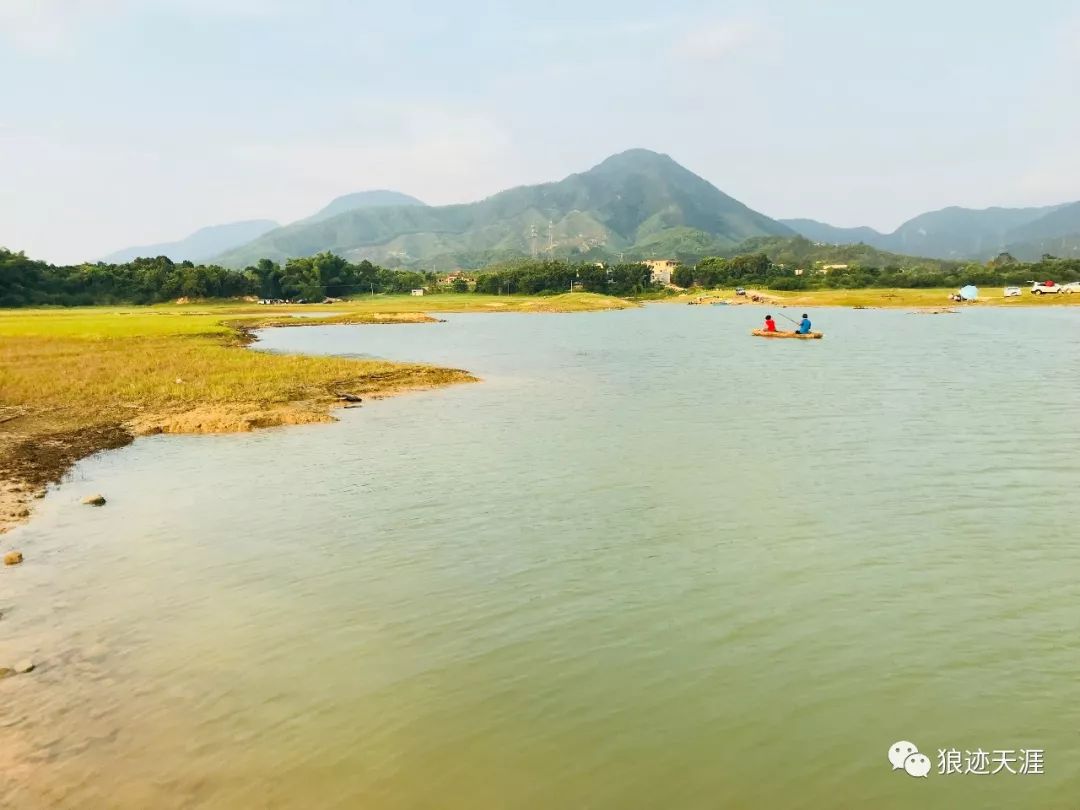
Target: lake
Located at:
point(648, 562)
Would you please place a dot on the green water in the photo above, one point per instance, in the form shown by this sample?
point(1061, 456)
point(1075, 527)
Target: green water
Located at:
point(650, 562)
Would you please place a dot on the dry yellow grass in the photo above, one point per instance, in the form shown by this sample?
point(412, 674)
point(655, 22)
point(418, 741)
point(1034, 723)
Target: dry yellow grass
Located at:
point(82, 377)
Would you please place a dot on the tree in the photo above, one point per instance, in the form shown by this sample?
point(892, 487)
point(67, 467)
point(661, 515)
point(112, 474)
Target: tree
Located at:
point(683, 277)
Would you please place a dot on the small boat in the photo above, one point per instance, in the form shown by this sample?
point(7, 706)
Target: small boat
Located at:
point(808, 336)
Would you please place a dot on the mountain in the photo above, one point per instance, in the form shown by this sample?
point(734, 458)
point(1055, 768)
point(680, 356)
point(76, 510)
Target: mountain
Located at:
point(637, 203)
point(363, 199)
point(800, 251)
point(830, 234)
point(204, 244)
point(960, 233)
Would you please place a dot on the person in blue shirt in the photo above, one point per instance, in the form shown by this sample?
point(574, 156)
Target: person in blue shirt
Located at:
point(804, 327)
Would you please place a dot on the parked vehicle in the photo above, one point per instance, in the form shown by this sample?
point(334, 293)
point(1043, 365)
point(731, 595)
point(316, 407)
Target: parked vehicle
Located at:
point(1010, 292)
point(740, 291)
point(1045, 288)
point(1071, 287)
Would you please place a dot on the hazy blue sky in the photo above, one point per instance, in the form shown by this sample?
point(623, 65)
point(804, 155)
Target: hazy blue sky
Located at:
point(133, 121)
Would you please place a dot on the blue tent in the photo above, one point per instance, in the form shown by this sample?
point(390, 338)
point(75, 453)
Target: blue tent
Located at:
point(969, 293)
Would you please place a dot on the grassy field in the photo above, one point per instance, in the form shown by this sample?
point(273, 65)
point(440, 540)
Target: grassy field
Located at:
point(75, 381)
point(906, 298)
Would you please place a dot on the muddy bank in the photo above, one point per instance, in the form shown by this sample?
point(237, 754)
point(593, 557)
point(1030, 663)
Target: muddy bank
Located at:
point(29, 465)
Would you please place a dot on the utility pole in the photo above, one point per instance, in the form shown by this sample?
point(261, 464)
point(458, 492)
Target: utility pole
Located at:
point(551, 237)
point(532, 239)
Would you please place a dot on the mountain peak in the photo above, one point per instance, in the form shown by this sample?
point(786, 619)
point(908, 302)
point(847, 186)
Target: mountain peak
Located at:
point(635, 159)
point(635, 203)
point(376, 198)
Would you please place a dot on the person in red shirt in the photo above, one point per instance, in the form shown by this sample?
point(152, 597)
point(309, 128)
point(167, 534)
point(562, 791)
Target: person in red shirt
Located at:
point(770, 324)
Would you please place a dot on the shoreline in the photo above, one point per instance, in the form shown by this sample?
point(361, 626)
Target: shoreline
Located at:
point(40, 441)
point(33, 460)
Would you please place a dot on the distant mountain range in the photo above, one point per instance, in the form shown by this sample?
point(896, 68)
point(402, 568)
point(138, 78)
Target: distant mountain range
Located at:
point(205, 243)
point(210, 242)
point(965, 233)
point(634, 205)
point(638, 203)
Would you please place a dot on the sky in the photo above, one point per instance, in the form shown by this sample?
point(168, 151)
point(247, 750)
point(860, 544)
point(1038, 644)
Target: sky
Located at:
point(129, 122)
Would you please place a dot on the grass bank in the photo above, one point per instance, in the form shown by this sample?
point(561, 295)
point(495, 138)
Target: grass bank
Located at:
point(73, 382)
point(76, 381)
point(885, 297)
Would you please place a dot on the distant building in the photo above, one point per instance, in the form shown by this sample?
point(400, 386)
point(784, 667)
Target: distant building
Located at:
point(418, 292)
point(825, 268)
point(452, 277)
point(661, 270)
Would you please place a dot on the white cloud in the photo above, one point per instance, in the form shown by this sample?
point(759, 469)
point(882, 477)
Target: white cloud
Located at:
point(442, 155)
point(717, 41)
point(1068, 41)
point(44, 25)
point(47, 26)
point(64, 199)
point(1052, 179)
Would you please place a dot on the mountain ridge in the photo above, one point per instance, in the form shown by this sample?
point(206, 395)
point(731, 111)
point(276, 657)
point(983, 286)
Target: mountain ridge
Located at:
point(956, 232)
point(635, 204)
point(200, 245)
point(629, 200)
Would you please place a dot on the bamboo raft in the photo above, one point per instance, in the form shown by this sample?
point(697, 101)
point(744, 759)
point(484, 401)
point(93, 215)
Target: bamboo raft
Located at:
point(809, 336)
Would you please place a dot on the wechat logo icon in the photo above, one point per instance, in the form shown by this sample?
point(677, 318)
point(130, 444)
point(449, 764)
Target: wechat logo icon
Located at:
point(904, 755)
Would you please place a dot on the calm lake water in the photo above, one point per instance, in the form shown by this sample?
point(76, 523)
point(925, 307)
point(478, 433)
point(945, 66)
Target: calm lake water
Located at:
point(649, 562)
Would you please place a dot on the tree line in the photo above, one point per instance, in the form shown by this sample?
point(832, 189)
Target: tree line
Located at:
point(27, 282)
point(540, 277)
point(759, 270)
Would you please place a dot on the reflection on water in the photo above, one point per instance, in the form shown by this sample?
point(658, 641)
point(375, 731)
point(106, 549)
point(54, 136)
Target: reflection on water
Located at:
point(649, 562)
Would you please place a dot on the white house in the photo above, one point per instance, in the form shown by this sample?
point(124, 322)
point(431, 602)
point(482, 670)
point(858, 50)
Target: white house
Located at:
point(661, 270)
point(418, 292)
